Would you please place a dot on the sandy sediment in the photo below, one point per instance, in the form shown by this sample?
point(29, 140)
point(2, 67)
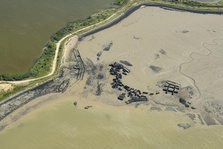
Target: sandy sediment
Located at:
point(5, 87)
point(167, 45)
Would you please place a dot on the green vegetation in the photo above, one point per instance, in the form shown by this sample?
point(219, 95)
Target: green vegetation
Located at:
point(18, 88)
point(5, 94)
point(120, 2)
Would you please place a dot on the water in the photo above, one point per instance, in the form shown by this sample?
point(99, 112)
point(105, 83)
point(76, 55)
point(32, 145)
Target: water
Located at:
point(26, 25)
point(59, 125)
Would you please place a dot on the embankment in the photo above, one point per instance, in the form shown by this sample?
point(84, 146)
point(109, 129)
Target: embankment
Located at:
point(146, 4)
point(57, 84)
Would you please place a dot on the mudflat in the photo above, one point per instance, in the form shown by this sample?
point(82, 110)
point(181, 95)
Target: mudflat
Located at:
point(156, 46)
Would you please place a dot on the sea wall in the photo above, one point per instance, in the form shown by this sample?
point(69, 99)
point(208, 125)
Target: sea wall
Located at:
point(146, 4)
point(57, 84)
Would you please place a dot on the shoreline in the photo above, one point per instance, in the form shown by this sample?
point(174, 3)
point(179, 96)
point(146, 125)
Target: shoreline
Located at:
point(128, 12)
point(134, 6)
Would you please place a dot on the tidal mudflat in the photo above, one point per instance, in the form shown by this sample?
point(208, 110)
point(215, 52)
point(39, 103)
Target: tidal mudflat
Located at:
point(156, 46)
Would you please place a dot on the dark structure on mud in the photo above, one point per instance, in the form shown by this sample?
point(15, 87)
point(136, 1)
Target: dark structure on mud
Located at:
point(134, 95)
point(171, 87)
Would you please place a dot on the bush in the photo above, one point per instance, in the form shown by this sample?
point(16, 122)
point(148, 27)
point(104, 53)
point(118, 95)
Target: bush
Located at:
point(119, 2)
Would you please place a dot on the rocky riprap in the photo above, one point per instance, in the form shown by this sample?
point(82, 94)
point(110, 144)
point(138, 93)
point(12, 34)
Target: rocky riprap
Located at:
point(73, 70)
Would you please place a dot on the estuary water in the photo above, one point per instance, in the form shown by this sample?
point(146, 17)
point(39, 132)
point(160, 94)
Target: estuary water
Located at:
point(59, 125)
point(26, 25)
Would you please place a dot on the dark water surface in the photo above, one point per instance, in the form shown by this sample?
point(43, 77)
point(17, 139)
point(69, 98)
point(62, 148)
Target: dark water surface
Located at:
point(26, 25)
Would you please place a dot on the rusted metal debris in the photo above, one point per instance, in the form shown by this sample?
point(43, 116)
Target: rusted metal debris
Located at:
point(171, 87)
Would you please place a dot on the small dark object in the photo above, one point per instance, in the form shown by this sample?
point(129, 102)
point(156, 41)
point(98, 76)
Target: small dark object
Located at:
point(184, 31)
point(193, 108)
point(171, 87)
point(88, 107)
point(99, 89)
point(100, 76)
point(186, 105)
point(121, 97)
point(114, 86)
point(136, 99)
point(130, 94)
point(75, 103)
point(99, 54)
point(126, 87)
point(118, 76)
point(115, 80)
point(155, 69)
point(112, 73)
point(145, 92)
point(107, 47)
point(126, 70)
point(126, 63)
point(151, 94)
point(184, 102)
point(143, 97)
point(120, 84)
point(119, 89)
point(138, 91)
point(162, 51)
point(184, 126)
